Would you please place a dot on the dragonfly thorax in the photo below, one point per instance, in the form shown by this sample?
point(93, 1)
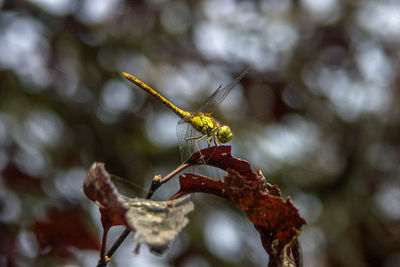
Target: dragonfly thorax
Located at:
point(204, 123)
point(207, 125)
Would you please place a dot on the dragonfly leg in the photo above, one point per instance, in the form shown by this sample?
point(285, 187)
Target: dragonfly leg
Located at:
point(197, 140)
point(197, 144)
point(201, 155)
point(216, 141)
point(209, 141)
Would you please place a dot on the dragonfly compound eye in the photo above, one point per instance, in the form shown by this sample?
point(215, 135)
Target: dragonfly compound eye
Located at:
point(224, 134)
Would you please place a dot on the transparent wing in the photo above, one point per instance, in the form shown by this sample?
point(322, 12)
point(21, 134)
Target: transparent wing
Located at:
point(181, 128)
point(219, 95)
point(183, 131)
point(187, 147)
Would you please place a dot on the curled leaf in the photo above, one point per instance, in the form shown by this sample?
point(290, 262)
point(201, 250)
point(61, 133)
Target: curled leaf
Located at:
point(220, 157)
point(155, 223)
point(276, 219)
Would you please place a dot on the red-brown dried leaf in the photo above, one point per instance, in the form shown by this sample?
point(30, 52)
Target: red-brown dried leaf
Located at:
point(8, 236)
point(63, 230)
point(155, 223)
point(277, 220)
point(220, 157)
point(21, 182)
point(98, 187)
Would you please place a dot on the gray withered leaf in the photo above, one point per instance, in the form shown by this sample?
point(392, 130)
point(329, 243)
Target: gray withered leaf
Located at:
point(155, 223)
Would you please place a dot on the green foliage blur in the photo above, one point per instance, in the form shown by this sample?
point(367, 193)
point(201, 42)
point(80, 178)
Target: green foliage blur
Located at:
point(318, 113)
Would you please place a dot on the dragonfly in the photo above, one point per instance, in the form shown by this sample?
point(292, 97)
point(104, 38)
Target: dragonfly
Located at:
point(202, 121)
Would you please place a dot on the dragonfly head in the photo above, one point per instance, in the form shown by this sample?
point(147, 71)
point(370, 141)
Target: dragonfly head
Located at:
point(224, 134)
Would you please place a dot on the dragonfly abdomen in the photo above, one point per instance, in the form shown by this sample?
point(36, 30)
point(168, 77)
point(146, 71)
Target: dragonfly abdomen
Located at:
point(181, 113)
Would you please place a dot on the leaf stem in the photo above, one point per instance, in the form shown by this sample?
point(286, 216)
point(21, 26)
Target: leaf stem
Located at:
point(103, 244)
point(175, 172)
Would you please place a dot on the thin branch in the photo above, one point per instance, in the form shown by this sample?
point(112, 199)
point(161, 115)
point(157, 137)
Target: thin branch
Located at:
point(117, 243)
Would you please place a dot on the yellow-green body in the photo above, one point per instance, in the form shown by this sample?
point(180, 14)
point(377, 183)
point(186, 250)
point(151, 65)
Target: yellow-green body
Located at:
point(202, 122)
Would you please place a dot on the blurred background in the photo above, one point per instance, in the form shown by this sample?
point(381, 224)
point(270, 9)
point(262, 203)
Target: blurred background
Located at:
point(318, 113)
